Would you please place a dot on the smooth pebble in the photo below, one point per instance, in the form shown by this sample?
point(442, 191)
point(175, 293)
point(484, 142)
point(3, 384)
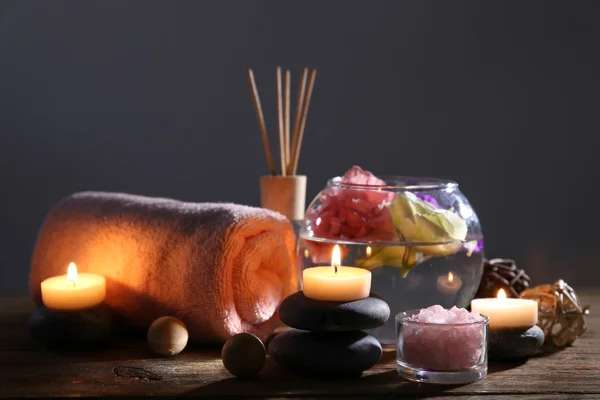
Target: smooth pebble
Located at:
point(325, 353)
point(515, 343)
point(301, 312)
point(71, 329)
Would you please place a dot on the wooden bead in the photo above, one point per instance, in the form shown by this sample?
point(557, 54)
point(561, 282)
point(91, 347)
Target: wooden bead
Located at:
point(167, 336)
point(244, 355)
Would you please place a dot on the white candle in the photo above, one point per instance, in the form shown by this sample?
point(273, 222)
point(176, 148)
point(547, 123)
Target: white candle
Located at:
point(449, 284)
point(507, 313)
point(73, 291)
point(336, 283)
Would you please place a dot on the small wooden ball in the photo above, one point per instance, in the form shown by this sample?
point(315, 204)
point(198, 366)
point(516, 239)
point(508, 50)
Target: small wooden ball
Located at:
point(167, 336)
point(244, 355)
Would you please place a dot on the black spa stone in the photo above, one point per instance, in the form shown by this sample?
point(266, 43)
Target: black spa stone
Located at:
point(514, 343)
point(325, 353)
point(71, 329)
point(301, 312)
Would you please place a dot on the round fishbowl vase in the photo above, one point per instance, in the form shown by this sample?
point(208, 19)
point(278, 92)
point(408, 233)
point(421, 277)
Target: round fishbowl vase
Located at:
point(419, 237)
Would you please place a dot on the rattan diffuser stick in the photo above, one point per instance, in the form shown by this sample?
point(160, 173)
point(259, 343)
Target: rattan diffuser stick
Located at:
point(296, 156)
point(299, 102)
point(290, 142)
point(286, 118)
point(281, 123)
point(261, 122)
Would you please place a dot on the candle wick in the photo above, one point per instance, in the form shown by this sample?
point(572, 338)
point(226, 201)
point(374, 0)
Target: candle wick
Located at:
point(335, 269)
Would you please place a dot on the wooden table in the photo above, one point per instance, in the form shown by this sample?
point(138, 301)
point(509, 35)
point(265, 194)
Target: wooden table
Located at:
point(128, 369)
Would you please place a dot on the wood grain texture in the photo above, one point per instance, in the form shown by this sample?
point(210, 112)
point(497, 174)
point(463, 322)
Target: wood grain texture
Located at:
point(129, 369)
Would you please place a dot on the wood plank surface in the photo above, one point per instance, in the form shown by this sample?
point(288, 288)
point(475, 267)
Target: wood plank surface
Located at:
point(129, 369)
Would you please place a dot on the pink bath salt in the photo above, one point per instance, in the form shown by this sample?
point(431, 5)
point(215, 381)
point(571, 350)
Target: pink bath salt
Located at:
point(454, 344)
point(439, 315)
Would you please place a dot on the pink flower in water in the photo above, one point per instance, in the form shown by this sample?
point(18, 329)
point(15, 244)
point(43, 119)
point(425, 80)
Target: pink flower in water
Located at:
point(355, 208)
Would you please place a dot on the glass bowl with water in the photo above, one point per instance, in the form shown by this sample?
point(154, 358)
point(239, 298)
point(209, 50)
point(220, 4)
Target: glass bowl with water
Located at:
point(419, 237)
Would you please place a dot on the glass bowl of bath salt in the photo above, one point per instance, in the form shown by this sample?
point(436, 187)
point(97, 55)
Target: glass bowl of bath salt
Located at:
point(436, 345)
point(419, 237)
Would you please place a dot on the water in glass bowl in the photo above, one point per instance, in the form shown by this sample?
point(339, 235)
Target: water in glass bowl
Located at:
point(450, 280)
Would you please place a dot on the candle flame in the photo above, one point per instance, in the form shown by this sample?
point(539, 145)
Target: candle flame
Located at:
point(336, 258)
point(368, 251)
point(450, 277)
point(501, 294)
point(72, 273)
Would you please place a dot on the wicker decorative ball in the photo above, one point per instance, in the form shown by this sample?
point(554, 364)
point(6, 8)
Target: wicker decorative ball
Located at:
point(560, 314)
point(502, 273)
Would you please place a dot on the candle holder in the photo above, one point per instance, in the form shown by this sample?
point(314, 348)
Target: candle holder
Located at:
point(74, 312)
point(513, 333)
point(515, 343)
point(71, 329)
point(453, 353)
point(327, 338)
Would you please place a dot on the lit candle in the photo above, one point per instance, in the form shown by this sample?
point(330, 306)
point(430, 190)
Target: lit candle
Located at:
point(507, 313)
point(73, 291)
point(449, 284)
point(336, 283)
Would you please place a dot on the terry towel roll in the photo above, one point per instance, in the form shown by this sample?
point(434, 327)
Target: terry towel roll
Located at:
point(221, 268)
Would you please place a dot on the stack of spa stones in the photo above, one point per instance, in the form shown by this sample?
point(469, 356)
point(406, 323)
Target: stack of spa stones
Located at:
point(328, 336)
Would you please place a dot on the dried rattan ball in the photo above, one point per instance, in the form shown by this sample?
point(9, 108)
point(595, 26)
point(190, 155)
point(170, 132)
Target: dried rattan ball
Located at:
point(502, 273)
point(560, 313)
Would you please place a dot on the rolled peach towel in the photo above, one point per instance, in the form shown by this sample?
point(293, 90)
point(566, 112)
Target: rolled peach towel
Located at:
point(221, 268)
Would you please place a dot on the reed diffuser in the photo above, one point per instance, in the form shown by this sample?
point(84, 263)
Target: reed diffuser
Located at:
point(284, 191)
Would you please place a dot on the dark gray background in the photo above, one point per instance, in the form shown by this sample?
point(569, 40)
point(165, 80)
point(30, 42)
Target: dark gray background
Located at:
point(151, 98)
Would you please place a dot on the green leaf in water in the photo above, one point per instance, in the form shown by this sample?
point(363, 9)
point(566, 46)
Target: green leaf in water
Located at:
point(418, 221)
point(434, 232)
point(403, 257)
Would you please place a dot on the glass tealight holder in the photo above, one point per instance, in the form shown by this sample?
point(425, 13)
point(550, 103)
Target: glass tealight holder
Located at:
point(441, 353)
